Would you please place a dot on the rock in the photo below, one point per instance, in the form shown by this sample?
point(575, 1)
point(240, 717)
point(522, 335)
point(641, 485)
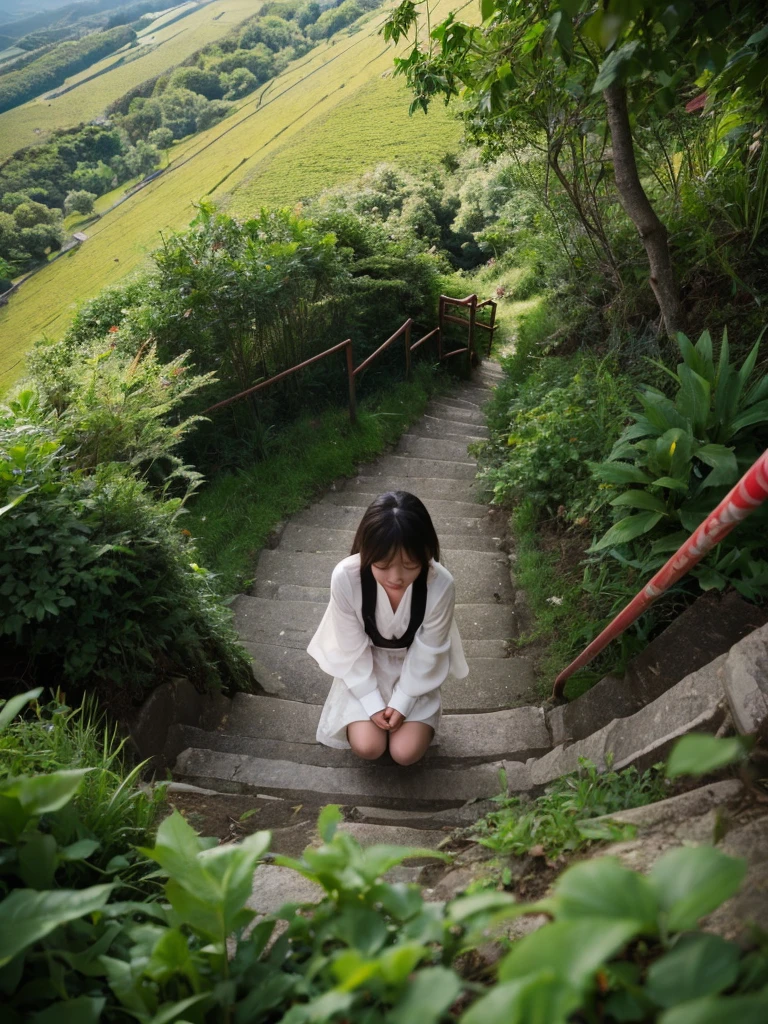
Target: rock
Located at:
point(274, 886)
point(746, 681)
point(704, 631)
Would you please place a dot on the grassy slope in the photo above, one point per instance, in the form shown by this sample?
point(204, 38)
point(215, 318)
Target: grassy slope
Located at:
point(161, 48)
point(307, 133)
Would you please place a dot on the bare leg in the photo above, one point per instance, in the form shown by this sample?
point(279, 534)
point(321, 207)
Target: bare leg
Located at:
point(409, 743)
point(367, 739)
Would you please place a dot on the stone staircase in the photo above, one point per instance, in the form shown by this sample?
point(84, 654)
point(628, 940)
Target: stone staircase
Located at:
point(266, 742)
point(493, 727)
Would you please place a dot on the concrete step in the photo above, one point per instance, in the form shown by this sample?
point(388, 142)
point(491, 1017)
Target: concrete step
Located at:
point(347, 517)
point(268, 727)
point(461, 414)
point(375, 481)
point(746, 682)
point(442, 429)
point(351, 497)
point(445, 432)
point(447, 820)
point(429, 448)
point(468, 400)
point(482, 577)
point(433, 469)
point(705, 630)
point(411, 787)
point(492, 684)
point(293, 623)
point(695, 704)
point(318, 539)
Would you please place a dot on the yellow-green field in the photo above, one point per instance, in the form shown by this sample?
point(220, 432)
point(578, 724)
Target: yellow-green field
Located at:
point(161, 46)
point(330, 116)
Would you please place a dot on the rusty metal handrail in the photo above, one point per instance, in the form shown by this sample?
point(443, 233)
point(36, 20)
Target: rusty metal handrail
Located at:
point(405, 329)
point(748, 494)
point(285, 373)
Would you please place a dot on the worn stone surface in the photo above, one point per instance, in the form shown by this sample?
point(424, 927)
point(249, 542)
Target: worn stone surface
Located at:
point(261, 620)
point(437, 428)
point(168, 706)
point(702, 633)
point(274, 886)
point(492, 684)
point(456, 415)
point(376, 481)
point(746, 681)
point(694, 704)
point(351, 498)
point(431, 448)
point(446, 820)
point(415, 786)
point(482, 577)
point(319, 539)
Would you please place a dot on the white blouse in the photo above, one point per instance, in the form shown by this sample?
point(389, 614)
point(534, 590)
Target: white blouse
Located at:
point(376, 677)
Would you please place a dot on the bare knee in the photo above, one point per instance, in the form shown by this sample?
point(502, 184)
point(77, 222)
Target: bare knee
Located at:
point(367, 740)
point(409, 744)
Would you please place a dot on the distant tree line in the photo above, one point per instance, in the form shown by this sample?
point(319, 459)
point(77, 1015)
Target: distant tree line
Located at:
point(54, 67)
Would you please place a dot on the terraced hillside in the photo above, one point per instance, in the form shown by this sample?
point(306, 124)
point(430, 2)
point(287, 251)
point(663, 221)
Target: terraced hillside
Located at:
point(329, 116)
point(168, 41)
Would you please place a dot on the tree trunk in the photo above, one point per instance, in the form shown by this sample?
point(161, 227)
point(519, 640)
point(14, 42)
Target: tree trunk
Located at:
point(641, 213)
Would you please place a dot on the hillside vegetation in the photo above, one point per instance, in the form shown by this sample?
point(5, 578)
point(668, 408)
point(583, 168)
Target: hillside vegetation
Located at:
point(307, 129)
point(168, 41)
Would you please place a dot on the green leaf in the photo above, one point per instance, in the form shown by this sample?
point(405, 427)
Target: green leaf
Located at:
point(699, 965)
point(539, 998)
point(698, 754)
point(37, 861)
point(725, 470)
point(614, 65)
point(487, 7)
point(693, 881)
point(359, 927)
point(757, 413)
point(81, 850)
point(428, 996)
point(627, 529)
point(751, 1009)
point(328, 820)
point(43, 794)
point(13, 706)
point(620, 473)
point(397, 962)
point(671, 483)
point(83, 1010)
point(27, 915)
point(603, 889)
point(693, 399)
point(573, 949)
point(640, 499)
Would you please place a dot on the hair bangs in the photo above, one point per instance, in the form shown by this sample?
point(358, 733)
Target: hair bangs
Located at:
point(396, 520)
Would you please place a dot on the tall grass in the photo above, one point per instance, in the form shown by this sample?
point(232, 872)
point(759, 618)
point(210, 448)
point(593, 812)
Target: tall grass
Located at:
point(111, 806)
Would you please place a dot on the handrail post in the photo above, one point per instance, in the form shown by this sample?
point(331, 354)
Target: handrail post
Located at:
point(471, 333)
point(440, 330)
point(351, 381)
point(408, 349)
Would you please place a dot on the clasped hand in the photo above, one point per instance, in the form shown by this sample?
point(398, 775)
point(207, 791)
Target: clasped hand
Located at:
point(389, 719)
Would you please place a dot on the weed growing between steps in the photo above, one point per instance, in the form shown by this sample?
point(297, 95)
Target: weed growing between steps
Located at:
point(618, 947)
point(235, 514)
point(560, 821)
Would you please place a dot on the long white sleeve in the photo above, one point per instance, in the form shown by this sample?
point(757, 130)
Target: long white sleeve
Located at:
point(429, 657)
point(342, 648)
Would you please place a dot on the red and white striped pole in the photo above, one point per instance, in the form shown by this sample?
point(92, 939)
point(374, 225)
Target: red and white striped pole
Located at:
point(750, 492)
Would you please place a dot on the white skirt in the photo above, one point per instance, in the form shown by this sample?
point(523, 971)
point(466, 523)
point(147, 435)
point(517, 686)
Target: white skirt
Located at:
point(341, 708)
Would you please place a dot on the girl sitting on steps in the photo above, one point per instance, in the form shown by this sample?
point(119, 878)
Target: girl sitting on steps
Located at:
point(388, 636)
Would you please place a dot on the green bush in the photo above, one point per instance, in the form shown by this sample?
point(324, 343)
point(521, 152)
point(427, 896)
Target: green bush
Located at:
point(99, 584)
point(546, 428)
point(679, 458)
point(618, 947)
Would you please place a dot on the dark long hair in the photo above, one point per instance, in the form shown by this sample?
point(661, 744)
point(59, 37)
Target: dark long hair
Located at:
point(395, 520)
